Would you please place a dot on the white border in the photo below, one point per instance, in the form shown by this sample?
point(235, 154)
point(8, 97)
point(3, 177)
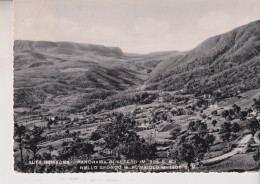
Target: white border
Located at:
point(6, 140)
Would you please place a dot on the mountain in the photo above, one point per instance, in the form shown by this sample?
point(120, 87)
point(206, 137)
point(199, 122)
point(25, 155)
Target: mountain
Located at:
point(229, 62)
point(50, 73)
point(68, 74)
point(68, 48)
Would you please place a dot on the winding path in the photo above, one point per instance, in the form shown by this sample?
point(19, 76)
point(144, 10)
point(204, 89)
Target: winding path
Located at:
point(242, 146)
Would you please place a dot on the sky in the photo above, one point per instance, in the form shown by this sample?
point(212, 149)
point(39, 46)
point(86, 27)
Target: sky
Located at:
point(136, 26)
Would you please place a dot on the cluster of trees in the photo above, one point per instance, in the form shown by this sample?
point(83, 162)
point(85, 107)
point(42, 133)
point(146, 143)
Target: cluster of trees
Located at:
point(193, 148)
point(28, 140)
point(193, 145)
point(253, 125)
point(198, 126)
point(221, 95)
point(235, 112)
point(122, 140)
point(228, 130)
point(96, 135)
point(28, 97)
point(122, 99)
point(93, 96)
point(198, 77)
point(202, 103)
point(76, 148)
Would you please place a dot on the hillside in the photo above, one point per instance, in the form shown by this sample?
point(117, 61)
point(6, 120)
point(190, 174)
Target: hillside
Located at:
point(229, 62)
point(47, 73)
point(222, 66)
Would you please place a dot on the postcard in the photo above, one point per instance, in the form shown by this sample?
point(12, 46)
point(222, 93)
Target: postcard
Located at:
point(136, 86)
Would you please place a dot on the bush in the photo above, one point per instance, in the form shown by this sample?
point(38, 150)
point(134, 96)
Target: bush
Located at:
point(95, 136)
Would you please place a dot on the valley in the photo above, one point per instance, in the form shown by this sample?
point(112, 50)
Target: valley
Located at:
point(198, 108)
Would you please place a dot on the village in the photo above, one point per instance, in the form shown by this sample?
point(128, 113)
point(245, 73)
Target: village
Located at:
point(163, 122)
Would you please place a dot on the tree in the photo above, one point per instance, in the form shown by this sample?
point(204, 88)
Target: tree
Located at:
point(209, 138)
point(201, 127)
point(235, 127)
point(86, 148)
point(121, 138)
point(236, 108)
point(186, 153)
point(119, 131)
point(76, 148)
point(194, 149)
point(200, 144)
point(202, 103)
point(19, 133)
point(225, 131)
point(139, 150)
point(225, 114)
point(249, 111)
point(225, 136)
point(256, 105)
point(253, 125)
point(95, 136)
point(243, 115)
point(231, 112)
point(32, 141)
point(214, 122)
point(256, 158)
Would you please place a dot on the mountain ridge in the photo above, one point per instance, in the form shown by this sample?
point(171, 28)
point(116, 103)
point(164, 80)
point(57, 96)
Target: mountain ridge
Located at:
point(23, 45)
point(215, 59)
point(222, 66)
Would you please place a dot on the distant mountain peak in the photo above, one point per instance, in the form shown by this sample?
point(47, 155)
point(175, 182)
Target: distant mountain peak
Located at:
point(22, 45)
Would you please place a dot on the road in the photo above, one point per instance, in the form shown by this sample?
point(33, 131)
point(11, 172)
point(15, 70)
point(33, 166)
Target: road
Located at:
point(242, 146)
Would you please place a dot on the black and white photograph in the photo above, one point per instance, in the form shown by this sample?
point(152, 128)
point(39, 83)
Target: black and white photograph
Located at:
point(136, 86)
